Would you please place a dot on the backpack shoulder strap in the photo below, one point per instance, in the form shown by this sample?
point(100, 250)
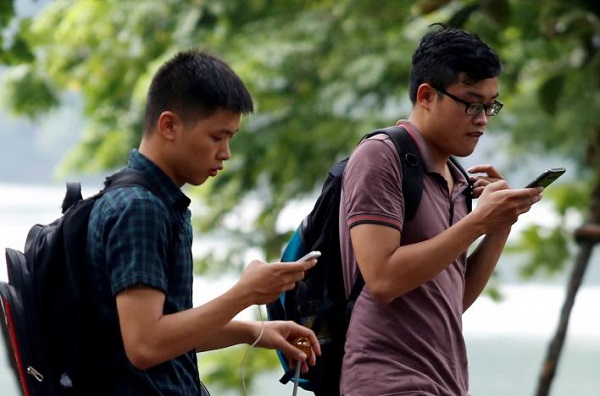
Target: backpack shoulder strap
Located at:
point(412, 187)
point(121, 178)
point(469, 191)
point(72, 195)
point(131, 177)
point(412, 167)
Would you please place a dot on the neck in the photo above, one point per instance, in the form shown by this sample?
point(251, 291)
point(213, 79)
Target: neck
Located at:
point(438, 157)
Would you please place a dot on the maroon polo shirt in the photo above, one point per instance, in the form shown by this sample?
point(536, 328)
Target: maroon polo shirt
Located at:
point(413, 345)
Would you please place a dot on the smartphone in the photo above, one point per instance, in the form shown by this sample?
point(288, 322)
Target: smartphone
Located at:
point(546, 178)
point(310, 256)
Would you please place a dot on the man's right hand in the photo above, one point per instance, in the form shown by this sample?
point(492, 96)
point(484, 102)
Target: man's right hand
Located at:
point(266, 281)
point(500, 206)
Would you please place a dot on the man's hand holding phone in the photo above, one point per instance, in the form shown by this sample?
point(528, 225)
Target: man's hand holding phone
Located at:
point(499, 206)
point(266, 281)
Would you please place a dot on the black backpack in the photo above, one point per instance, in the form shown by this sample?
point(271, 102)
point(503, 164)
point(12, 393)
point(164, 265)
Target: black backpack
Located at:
point(319, 300)
point(46, 308)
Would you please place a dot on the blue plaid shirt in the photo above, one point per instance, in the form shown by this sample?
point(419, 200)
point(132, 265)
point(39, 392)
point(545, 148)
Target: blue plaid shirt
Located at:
point(134, 238)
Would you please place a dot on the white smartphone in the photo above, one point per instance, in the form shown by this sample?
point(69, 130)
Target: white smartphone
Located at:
point(309, 256)
point(546, 178)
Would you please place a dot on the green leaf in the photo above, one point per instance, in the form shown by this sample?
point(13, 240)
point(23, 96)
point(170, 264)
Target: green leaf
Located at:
point(497, 10)
point(550, 92)
point(548, 250)
point(7, 12)
point(18, 53)
point(460, 17)
point(28, 92)
point(430, 6)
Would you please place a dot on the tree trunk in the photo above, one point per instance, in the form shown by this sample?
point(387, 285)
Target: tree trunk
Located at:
point(587, 236)
point(555, 348)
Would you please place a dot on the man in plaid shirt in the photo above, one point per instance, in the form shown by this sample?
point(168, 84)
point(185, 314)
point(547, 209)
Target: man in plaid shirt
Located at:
point(141, 265)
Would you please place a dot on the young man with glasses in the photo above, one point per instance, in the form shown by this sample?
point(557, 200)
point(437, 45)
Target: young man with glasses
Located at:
point(405, 334)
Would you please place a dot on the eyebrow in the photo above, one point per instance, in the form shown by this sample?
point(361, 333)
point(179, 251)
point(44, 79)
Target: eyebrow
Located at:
point(481, 97)
point(228, 132)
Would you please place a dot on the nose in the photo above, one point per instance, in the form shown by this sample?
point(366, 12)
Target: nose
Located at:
point(224, 152)
point(480, 119)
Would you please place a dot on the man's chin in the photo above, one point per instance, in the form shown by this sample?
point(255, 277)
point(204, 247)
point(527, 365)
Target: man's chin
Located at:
point(464, 151)
point(198, 181)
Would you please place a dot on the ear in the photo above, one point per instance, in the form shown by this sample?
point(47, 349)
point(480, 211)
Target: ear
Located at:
point(426, 95)
point(167, 124)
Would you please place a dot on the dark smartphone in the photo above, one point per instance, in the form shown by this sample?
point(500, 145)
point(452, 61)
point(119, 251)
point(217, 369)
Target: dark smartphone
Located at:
point(546, 178)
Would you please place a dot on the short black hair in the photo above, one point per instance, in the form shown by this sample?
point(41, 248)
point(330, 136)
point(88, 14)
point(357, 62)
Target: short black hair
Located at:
point(195, 84)
point(444, 53)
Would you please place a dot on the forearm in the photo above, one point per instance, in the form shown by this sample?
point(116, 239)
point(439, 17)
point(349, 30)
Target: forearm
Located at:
point(481, 264)
point(233, 333)
point(151, 338)
point(391, 270)
point(419, 264)
point(201, 326)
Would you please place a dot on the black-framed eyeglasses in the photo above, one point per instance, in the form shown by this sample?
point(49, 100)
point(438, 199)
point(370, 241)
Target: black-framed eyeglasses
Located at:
point(474, 108)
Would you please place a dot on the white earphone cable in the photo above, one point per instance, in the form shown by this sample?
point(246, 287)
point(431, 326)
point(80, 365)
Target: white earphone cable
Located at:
point(260, 334)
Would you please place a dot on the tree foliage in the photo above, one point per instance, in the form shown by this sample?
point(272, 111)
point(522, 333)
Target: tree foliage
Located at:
point(322, 73)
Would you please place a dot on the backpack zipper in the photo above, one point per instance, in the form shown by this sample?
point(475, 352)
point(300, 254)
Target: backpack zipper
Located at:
point(35, 374)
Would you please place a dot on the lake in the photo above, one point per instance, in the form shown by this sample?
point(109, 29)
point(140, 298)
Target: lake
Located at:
point(507, 341)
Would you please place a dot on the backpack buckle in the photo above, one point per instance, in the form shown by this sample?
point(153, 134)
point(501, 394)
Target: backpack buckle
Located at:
point(412, 159)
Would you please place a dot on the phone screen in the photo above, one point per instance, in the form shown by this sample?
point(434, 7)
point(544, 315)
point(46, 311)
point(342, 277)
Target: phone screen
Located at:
point(546, 178)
